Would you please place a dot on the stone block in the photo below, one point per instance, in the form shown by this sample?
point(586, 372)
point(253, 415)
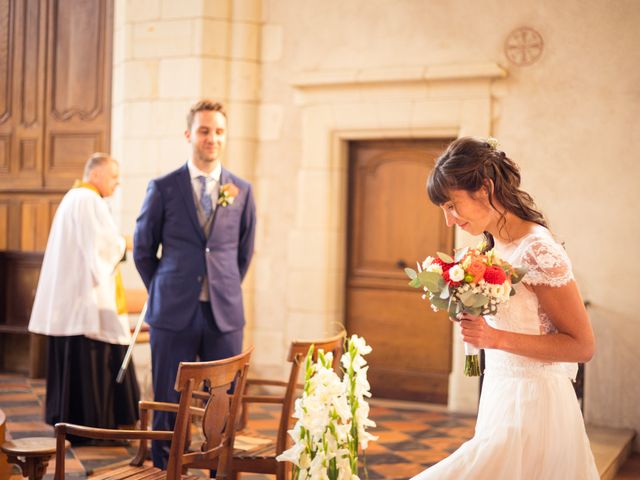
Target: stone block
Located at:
point(141, 79)
point(213, 78)
point(211, 38)
point(271, 43)
point(161, 39)
point(244, 82)
point(245, 41)
point(180, 77)
point(247, 10)
point(141, 10)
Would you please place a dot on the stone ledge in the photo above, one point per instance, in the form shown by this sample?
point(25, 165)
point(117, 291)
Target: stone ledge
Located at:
point(611, 447)
point(465, 71)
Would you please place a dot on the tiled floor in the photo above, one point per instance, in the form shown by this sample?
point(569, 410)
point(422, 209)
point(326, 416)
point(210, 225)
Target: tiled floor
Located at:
point(411, 438)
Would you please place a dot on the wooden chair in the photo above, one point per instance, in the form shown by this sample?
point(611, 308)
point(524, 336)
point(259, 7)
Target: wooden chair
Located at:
point(256, 453)
point(218, 420)
point(4, 466)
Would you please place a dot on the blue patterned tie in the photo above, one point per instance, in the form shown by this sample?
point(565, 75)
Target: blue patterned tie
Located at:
point(205, 196)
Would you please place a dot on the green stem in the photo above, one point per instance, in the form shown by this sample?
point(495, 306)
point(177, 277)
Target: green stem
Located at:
point(472, 366)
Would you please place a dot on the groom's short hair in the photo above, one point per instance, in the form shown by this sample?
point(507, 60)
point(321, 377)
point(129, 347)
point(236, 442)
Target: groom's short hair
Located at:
point(204, 106)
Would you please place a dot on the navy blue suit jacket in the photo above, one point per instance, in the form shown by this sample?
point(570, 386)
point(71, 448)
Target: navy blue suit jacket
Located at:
point(173, 279)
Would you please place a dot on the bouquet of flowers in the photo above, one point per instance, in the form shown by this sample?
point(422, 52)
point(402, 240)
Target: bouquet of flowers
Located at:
point(472, 281)
point(333, 417)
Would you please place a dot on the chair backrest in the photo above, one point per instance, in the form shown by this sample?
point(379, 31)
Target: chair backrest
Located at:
point(297, 355)
point(225, 382)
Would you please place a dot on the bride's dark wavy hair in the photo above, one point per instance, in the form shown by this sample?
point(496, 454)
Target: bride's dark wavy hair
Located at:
point(468, 164)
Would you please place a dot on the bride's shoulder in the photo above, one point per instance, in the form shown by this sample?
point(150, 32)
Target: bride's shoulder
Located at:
point(545, 258)
point(539, 234)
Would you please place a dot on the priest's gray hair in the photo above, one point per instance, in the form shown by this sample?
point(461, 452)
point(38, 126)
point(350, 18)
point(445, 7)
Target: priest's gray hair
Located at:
point(96, 160)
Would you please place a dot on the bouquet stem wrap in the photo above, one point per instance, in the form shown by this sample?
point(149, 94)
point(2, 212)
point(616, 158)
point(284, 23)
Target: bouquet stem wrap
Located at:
point(471, 361)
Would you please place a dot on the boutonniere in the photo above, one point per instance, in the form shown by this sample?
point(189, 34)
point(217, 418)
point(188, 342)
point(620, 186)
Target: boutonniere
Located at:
point(228, 193)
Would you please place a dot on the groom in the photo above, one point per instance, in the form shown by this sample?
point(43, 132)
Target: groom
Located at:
point(203, 218)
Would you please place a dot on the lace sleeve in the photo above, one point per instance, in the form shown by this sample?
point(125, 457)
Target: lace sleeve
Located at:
point(547, 263)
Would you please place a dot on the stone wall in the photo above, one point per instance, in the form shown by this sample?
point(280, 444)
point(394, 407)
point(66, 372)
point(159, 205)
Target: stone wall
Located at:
point(302, 77)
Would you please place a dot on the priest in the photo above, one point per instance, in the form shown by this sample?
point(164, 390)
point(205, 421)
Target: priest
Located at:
point(79, 305)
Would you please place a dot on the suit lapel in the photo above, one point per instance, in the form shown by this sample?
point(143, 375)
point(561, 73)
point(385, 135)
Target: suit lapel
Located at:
point(184, 183)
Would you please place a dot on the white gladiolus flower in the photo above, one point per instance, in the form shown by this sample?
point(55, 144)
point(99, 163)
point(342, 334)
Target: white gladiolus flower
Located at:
point(293, 454)
point(325, 440)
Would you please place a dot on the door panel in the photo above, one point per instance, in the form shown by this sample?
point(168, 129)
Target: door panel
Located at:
point(392, 224)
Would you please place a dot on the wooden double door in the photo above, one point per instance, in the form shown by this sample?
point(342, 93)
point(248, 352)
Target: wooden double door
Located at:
point(55, 107)
point(392, 224)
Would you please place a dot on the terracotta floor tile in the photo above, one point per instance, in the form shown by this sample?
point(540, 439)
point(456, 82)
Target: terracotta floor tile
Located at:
point(29, 427)
point(397, 471)
point(21, 411)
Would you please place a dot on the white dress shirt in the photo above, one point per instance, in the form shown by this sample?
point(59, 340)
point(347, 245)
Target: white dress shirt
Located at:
point(213, 180)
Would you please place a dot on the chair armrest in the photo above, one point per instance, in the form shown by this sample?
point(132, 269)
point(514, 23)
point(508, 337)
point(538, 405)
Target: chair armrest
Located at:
point(62, 429)
point(110, 434)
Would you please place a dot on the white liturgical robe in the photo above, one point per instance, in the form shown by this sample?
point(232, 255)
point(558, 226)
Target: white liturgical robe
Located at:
point(76, 290)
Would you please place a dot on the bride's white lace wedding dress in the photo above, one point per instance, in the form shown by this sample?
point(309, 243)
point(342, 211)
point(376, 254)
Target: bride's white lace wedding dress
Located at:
point(529, 424)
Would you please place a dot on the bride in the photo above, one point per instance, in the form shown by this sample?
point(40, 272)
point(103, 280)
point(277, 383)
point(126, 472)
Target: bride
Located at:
point(529, 425)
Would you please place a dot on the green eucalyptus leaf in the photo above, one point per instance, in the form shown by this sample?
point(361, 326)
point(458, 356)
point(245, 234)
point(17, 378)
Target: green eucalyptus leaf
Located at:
point(415, 283)
point(411, 273)
point(444, 257)
point(466, 298)
point(432, 280)
point(460, 254)
point(455, 307)
point(439, 303)
point(480, 300)
point(473, 311)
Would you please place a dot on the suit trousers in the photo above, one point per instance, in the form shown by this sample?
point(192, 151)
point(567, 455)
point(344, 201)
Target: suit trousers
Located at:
point(200, 341)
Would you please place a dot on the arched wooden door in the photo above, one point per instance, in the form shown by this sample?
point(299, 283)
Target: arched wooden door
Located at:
point(392, 224)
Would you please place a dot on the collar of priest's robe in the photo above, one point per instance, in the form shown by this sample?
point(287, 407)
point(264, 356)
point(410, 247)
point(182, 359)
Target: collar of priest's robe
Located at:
point(83, 184)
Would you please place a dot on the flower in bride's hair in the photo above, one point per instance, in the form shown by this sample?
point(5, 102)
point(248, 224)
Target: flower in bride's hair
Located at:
point(493, 143)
